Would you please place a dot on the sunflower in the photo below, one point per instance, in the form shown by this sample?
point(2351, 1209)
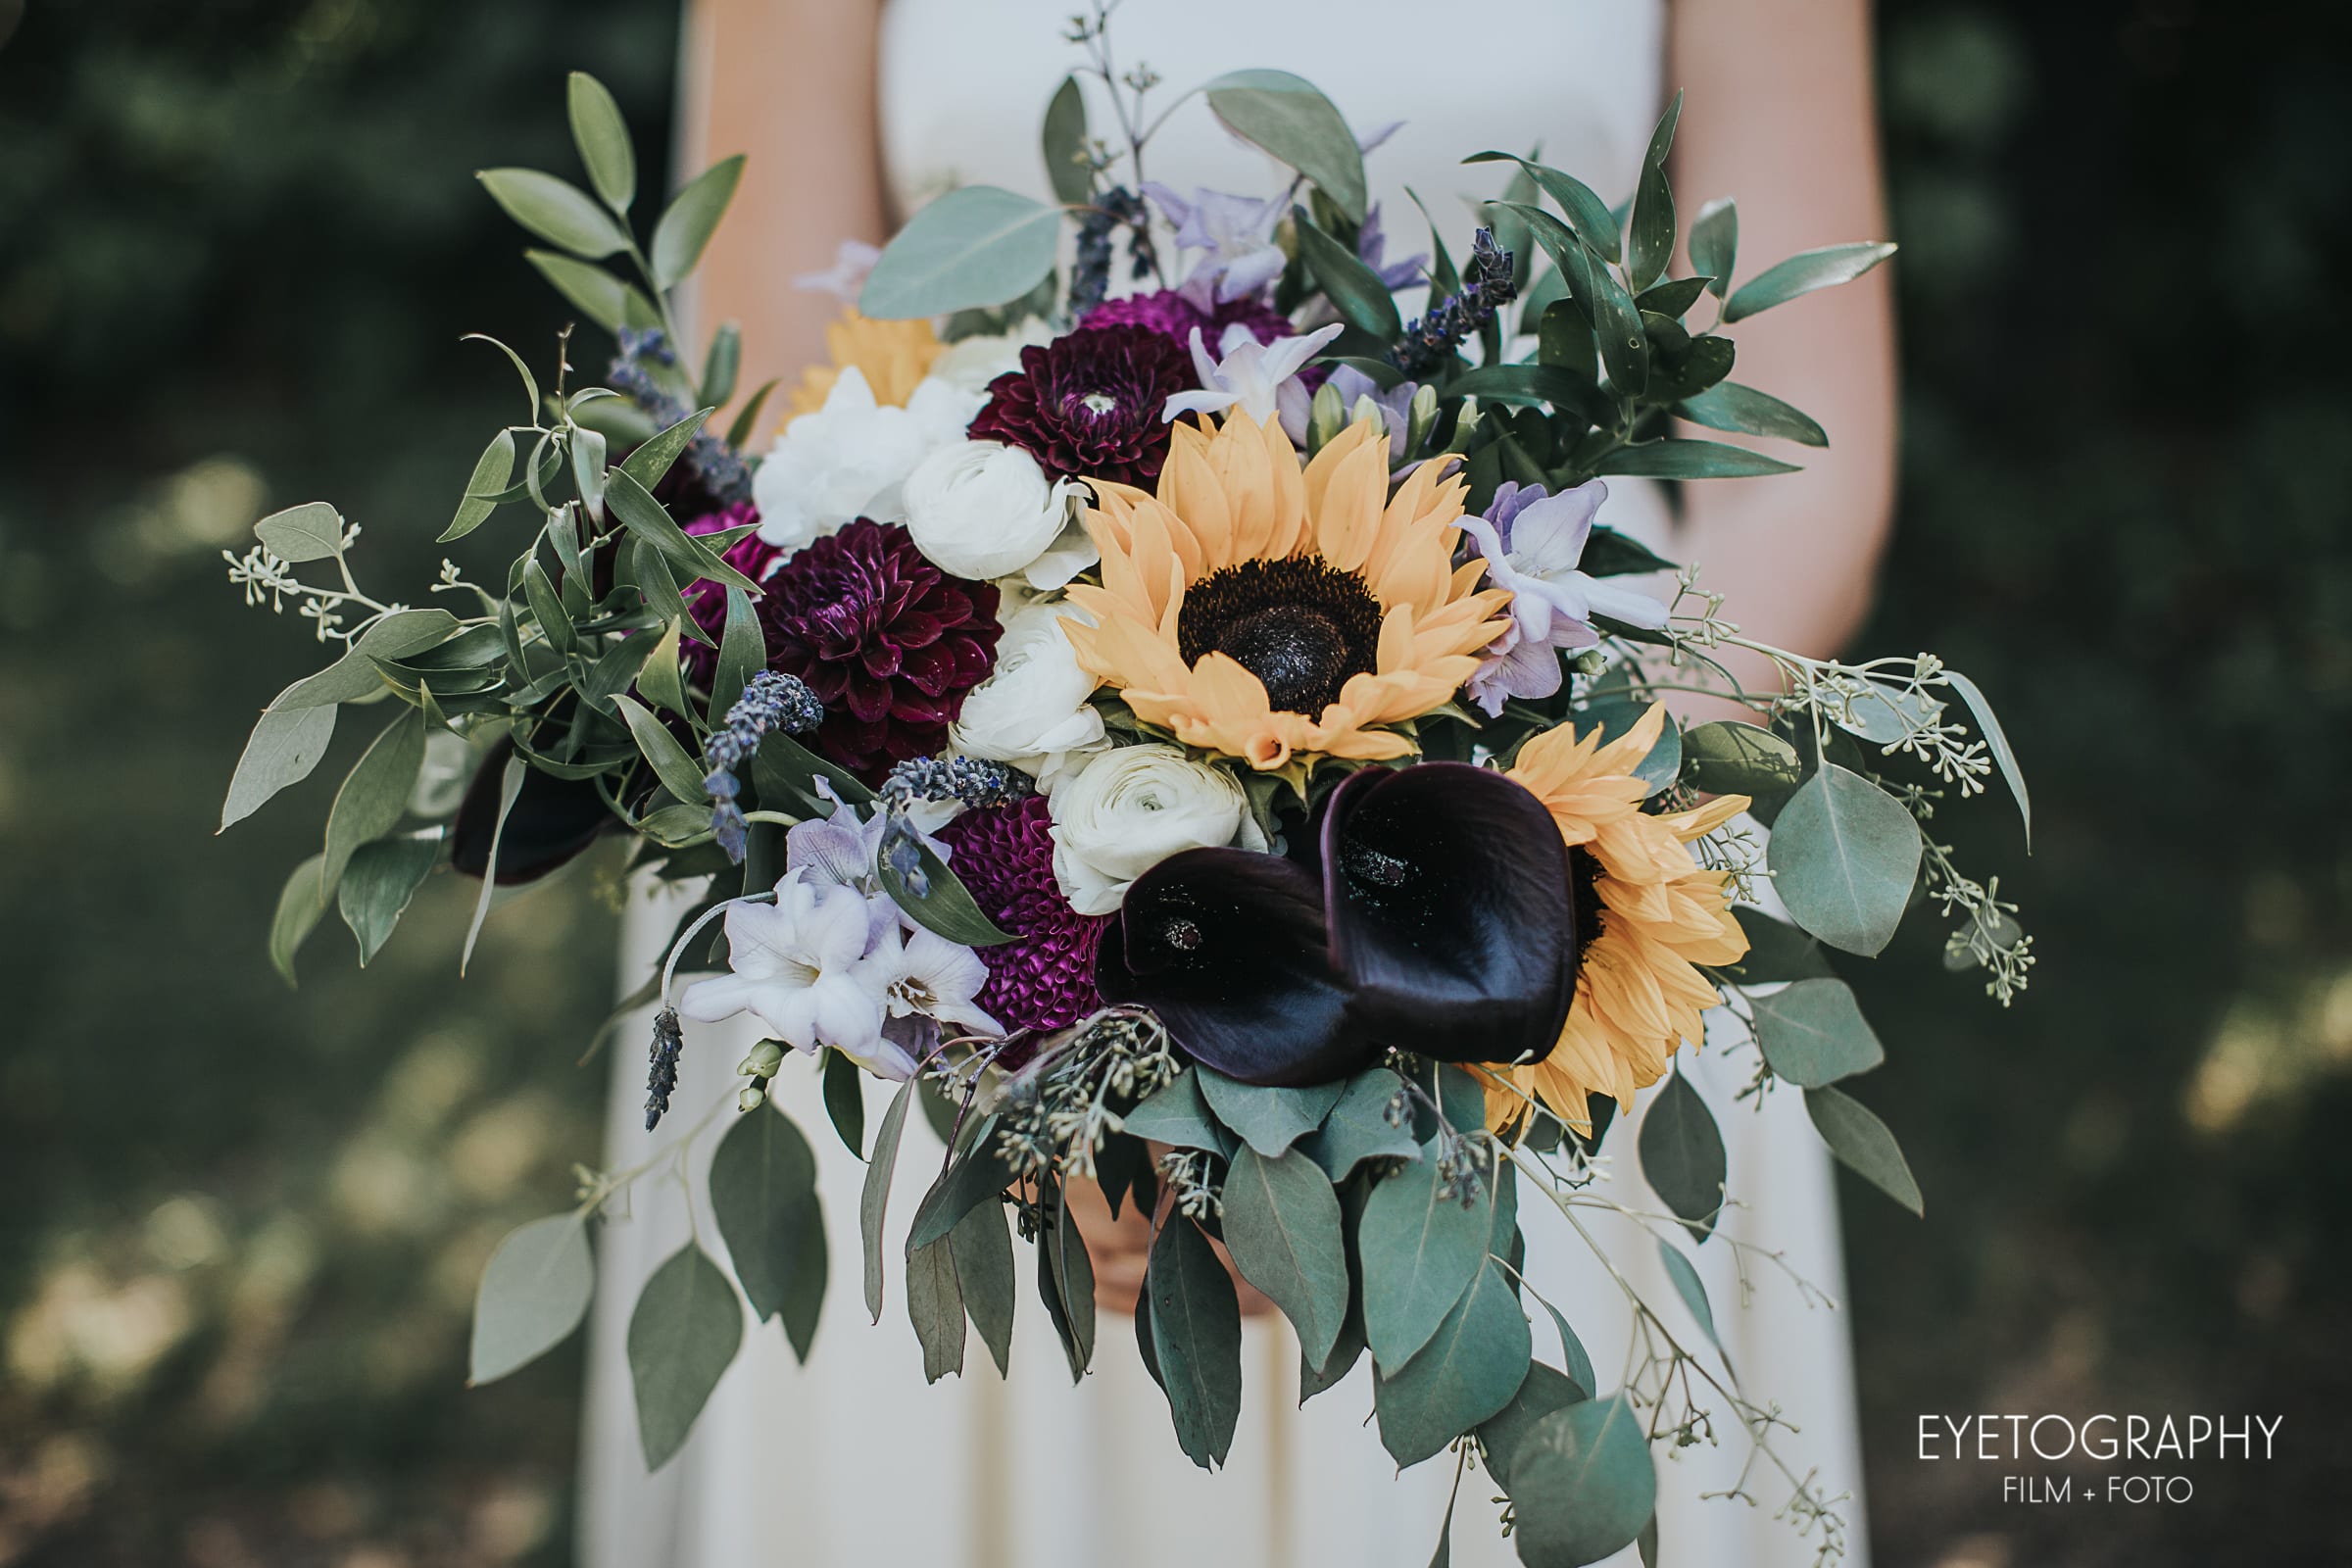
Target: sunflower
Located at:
point(892, 356)
point(1275, 614)
point(1661, 913)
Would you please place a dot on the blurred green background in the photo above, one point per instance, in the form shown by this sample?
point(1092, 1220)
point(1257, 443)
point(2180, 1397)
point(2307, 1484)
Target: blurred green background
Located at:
point(238, 242)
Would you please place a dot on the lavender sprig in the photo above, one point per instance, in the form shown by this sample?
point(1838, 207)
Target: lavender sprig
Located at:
point(720, 468)
point(1487, 287)
point(770, 701)
point(661, 1076)
point(968, 779)
point(1090, 267)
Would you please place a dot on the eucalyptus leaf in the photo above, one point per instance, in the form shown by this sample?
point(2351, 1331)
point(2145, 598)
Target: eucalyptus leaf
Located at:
point(602, 139)
point(1068, 1276)
point(300, 905)
point(656, 454)
point(510, 788)
point(1715, 243)
point(533, 1293)
point(685, 1329)
point(1583, 1483)
point(284, 748)
point(1691, 1288)
point(312, 531)
point(659, 678)
point(1862, 1142)
point(373, 794)
point(1196, 1340)
point(1541, 1392)
point(491, 472)
point(1572, 1354)
point(1813, 1033)
point(1268, 1119)
point(1727, 756)
point(1843, 856)
point(1471, 1366)
point(671, 765)
point(594, 292)
point(1883, 715)
point(935, 1307)
point(1178, 1115)
point(764, 1195)
point(972, 1178)
point(644, 517)
point(1420, 1248)
point(1682, 1157)
point(1064, 145)
point(873, 1202)
point(1288, 116)
point(1803, 273)
point(1358, 1127)
point(1776, 951)
point(1679, 458)
point(588, 471)
point(2003, 758)
point(1282, 1225)
point(555, 210)
point(976, 246)
point(377, 884)
point(688, 222)
point(1729, 405)
point(984, 1271)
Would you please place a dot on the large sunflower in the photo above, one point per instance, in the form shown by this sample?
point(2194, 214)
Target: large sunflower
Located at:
point(1270, 612)
point(1661, 913)
point(892, 356)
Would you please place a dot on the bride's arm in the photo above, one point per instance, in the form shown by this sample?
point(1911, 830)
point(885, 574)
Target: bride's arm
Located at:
point(791, 82)
point(1780, 114)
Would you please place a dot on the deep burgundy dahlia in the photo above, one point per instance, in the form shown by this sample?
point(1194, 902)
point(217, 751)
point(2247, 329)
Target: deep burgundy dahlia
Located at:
point(707, 601)
point(1044, 977)
point(1171, 314)
point(887, 641)
point(1088, 405)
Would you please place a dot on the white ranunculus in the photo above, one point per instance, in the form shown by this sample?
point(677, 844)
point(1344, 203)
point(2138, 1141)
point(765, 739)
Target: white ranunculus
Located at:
point(982, 510)
point(1032, 712)
point(851, 459)
point(1129, 809)
point(971, 362)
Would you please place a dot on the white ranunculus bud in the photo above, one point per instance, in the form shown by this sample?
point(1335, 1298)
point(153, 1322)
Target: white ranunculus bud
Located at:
point(1131, 809)
point(1032, 712)
point(982, 510)
point(851, 457)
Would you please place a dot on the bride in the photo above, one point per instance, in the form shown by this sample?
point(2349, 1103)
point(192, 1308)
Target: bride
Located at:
point(854, 110)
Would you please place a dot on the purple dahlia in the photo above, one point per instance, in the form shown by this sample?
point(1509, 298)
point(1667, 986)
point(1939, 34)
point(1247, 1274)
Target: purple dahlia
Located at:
point(707, 601)
point(1089, 403)
point(1044, 977)
point(887, 641)
point(1172, 316)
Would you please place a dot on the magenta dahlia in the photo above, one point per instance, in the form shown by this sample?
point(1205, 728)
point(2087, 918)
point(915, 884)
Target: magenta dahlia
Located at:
point(887, 641)
point(707, 601)
point(1044, 977)
point(1089, 403)
point(1172, 316)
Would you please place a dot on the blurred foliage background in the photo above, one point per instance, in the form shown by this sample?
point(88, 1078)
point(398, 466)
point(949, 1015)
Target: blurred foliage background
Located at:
point(238, 242)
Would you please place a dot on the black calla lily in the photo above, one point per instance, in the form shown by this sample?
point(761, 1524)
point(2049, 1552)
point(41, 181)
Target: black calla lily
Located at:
point(1228, 948)
point(1446, 893)
point(1430, 912)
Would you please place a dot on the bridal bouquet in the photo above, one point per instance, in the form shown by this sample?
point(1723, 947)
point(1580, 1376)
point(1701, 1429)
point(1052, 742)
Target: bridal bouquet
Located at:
point(1170, 697)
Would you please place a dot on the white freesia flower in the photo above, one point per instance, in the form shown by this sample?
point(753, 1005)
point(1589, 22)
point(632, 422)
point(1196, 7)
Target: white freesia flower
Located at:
point(1249, 376)
point(851, 459)
point(1131, 809)
point(1032, 712)
point(807, 967)
point(982, 509)
point(931, 977)
point(971, 362)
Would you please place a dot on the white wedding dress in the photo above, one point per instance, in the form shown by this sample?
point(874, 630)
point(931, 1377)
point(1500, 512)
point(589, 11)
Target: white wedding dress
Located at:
point(852, 1459)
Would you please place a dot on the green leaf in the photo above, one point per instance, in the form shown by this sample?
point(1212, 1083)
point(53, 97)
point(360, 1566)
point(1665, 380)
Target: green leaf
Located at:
point(686, 1328)
point(645, 518)
point(1673, 298)
point(688, 222)
point(1064, 145)
point(1588, 213)
point(603, 138)
point(1268, 1119)
point(373, 794)
point(1281, 1226)
point(1862, 1142)
point(1813, 1033)
point(2003, 758)
point(945, 906)
point(1543, 1389)
point(1420, 1249)
point(1776, 951)
point(285, 746)
point(982, 1247)
point(1885, 714)
point(764, 1195)
point(1681, 1155)
point(659, 678)
point(1803, 273)
point(746, 418)
point(1715, 243)
point(1651, 232)
point(1676, 458)
point(804, 1298)
point(1356, 291)
point(783, 769)
point(976, 1176)
point(1843, 856)
point(509, 786)
point(1179, 1115)
point(742, 654)
point(312, 531)
point(594, 292)
point(721, 366)
point(533, 1293)
point(1610, 554)
point(491, 472)
point(1572, 1350)
point(300, 905)
point(935, 1307)
point(1583, 1483)
point(1066, 1281)
point(1564, 338)
point(1691, 1288)
point(875, 1202)
point(1358, 1127)
point(1729, 405)
point(377, 884)
point(845, 1101)
point(547, 606)
point(1730, 757)
point(555, 210)
point(671, 765)
point(588, 471)
point(1288, 116)
point(654, 457)
point(1468, 1371)
point(976, 246)
point(1196, 1340)
point(1661, 138)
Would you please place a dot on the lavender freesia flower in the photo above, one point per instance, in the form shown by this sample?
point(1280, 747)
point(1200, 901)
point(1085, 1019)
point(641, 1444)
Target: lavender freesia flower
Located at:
point(1250, 376)
point(1371, 247)
point(1395, 406)
point(1238, 234)
point(1531, 542)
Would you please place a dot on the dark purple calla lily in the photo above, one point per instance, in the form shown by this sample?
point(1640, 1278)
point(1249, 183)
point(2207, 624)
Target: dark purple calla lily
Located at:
point(1228, 948)
point(1432, 914)
point(552, 820)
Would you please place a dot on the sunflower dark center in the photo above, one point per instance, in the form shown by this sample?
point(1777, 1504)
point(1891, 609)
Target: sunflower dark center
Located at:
point(1301, 625)
point(1583, 893)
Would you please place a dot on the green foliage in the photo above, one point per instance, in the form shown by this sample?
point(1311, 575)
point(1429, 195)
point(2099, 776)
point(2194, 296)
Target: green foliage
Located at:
point(1843, 858)
point(1289, 117)
point(1682, 1155)
point(976, 246)
point(1282, 1225)
point(1583, 1483)
point(764, 1195)
point(683, 1334)
point(1421, 1248)
point(533, 1293)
